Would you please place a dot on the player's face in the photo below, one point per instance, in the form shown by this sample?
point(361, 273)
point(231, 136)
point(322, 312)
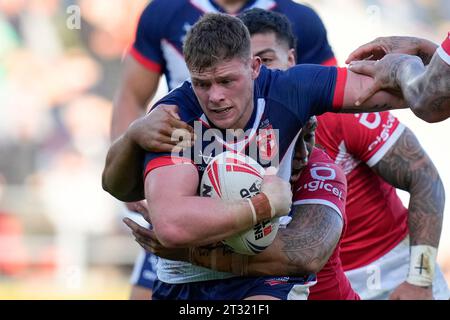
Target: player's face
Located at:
point(225, 91)
point(273, 54)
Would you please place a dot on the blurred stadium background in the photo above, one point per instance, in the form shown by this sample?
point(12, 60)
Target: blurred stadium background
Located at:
point(61, 235)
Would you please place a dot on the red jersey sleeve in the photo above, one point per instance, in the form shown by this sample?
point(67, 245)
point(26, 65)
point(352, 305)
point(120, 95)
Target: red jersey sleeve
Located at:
point(444, 50)
point(369, 136)
point(339, 88)
point(354, 138)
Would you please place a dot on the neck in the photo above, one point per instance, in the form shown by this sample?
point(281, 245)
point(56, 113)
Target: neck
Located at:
point(246, 116)
point(231, 6)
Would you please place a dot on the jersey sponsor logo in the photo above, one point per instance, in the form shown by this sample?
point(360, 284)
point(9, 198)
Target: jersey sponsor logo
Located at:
point(321, 174)
point(369, 120)
point(385, 133)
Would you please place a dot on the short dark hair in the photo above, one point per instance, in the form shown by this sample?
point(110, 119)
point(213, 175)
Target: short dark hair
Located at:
point(214, 38)
point(262, 21)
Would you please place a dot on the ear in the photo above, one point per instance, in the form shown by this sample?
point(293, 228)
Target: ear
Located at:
point(291, 58)
point(256, 67)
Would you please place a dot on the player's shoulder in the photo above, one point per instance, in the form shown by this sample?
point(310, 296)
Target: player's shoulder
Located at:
point(163, 10)
point(294, 73)
point(319, 155)
point(292, 8)
point(319, 160)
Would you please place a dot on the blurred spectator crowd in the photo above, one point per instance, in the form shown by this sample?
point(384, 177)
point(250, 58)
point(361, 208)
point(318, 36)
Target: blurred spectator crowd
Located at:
point(56, 90)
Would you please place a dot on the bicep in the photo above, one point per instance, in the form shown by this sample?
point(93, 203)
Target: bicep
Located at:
point(406, 163)
point(166, 183)
point(356, 84)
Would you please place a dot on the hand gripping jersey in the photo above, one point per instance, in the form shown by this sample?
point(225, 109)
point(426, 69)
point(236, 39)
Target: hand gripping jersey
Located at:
point(377, 219)
point(163, 26)
point(444, 50)
point(283, 101)
point(323, 182)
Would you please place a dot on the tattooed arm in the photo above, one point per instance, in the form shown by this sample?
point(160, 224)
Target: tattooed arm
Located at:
point(157, 131)
point(425, 90)
point(407, 166)
point(302, 248)
point(381, 46)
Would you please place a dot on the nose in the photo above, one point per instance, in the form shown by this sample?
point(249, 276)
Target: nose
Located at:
point(216, 94)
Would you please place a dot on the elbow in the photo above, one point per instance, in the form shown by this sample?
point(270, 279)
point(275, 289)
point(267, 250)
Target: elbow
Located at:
point(117, 190)
point(315, 266)
point(170, 233)
point(422, 108)
point(300, 267)
point(107, 185)
point(426, 115)
point(112, 189)
point(171, 236)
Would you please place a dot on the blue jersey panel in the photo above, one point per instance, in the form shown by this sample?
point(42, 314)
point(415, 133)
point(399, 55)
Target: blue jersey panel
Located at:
point(163, 26)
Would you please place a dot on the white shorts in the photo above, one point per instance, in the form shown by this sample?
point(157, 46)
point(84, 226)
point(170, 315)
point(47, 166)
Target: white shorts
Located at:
point(377, 280)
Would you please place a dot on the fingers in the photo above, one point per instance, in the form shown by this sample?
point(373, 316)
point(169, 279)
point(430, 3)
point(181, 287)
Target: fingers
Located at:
point(366, 67)
point(139, 230)
point(372, 50)
point(138, 207)
point(361, 53)
point(168, 127)
point(178, 124)
point(172, 110)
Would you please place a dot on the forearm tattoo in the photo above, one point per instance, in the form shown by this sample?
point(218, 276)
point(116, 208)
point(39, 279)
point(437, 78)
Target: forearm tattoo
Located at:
point(406, 166)
point(311, 236)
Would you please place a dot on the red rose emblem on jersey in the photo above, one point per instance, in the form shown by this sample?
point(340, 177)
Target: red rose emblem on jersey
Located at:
point(267, 143)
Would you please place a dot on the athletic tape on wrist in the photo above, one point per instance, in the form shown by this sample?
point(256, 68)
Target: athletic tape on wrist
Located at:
point(263, 208)
point(254, 219)
point(421, 265)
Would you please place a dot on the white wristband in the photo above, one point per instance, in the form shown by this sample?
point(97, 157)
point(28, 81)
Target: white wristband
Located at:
point(421, 265)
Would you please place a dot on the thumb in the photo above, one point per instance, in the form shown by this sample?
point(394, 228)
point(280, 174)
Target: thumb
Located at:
point(173, 111)
point(271, 171)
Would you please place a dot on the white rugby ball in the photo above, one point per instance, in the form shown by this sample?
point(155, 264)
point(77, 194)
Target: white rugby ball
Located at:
point(233, 176)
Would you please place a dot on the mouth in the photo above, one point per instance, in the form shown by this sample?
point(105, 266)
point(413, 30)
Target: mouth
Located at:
point(222, 110)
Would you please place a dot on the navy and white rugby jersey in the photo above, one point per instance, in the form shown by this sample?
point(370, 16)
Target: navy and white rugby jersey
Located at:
point(163, 26)
point(283, 102)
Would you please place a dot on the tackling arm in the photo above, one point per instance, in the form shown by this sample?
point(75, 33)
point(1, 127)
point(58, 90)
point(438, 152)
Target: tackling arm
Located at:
point(302, 248)
point(381, 101)
point(407, 166)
